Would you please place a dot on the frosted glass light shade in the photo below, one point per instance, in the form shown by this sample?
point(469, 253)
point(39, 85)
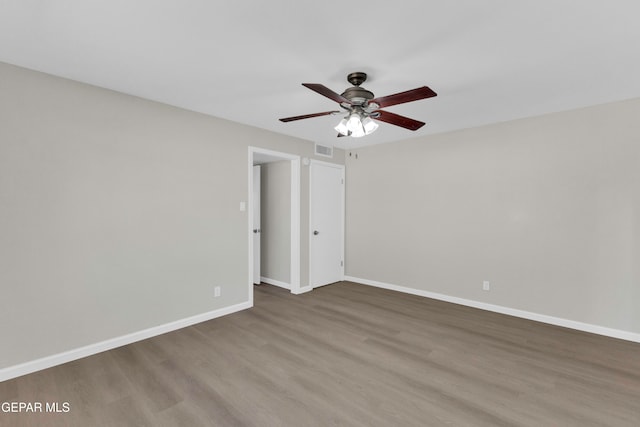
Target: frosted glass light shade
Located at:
point(354, 122)
point(355, 126)
point(369, 125)
point(359, 132)
point(342, 127)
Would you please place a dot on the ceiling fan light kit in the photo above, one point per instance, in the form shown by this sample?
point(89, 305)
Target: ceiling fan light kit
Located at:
point(363, 108)
point(356, 126)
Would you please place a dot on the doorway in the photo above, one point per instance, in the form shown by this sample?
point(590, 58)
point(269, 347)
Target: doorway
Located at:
point(261, 156)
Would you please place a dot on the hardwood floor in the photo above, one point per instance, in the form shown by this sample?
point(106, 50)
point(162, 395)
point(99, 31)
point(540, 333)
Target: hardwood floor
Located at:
point(348, 355)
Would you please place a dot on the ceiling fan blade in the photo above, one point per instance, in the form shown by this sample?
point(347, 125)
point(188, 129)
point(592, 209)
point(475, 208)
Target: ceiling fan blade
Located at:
point(325, 91)
point(402, 97)
point(398, 120)
point(308, 116)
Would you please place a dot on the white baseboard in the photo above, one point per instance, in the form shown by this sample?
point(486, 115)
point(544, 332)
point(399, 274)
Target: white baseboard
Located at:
point(558, 321)
point(303, 290)
point(275, 283)
point(91, 349)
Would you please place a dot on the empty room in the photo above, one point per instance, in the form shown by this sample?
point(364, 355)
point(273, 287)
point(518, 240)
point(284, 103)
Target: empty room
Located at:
point(412, 213)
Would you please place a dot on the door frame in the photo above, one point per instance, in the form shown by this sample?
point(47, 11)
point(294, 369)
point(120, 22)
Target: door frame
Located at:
point(294, 268)
point(256, 232)
point(342, 217)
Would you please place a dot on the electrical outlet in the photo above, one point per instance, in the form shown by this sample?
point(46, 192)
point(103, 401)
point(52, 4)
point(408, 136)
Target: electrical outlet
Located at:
point(486, 286)
point(216, 291)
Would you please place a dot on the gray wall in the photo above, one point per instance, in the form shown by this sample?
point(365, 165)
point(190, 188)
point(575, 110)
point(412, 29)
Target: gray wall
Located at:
point(547, 209)
point(117, 213)
point(275, 221)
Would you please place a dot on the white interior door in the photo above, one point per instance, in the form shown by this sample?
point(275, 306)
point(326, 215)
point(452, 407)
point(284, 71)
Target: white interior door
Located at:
point(326, 248)
point(256, 224)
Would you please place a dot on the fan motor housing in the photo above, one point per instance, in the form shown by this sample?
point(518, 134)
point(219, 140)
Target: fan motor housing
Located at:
point(357, 95)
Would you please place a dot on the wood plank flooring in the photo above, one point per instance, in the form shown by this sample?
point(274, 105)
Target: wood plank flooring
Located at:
point(347, 355)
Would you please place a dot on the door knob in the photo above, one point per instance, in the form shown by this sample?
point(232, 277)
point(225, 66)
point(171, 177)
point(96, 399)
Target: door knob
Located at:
point(316, 232)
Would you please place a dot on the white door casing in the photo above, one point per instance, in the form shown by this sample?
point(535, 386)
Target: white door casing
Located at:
point(253, 153)
point(256, 224)
point(326, 223)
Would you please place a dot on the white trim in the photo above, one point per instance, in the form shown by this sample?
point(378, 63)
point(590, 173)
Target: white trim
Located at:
point(250, 222)
point(557, 321)
point(322, 162)
point(91, 349)
point(274, 282)
point(343, 219)
point(256, 194)
point(294, 272)
point(303, 290)
point(294, 262)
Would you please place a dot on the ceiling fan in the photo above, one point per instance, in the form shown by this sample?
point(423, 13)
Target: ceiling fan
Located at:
point(361, 107)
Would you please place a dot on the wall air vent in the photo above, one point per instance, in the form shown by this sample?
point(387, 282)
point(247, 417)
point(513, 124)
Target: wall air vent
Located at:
point(324, 150)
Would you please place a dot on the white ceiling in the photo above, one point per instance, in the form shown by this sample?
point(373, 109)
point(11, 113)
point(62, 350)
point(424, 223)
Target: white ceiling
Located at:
point(489, 61)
